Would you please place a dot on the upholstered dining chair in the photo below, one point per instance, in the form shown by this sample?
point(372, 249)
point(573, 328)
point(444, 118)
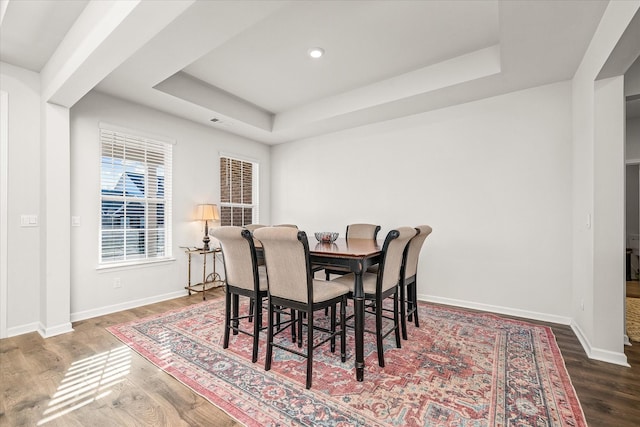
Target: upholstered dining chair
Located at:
point(354, 231)
point(408, 283)
point(384, 284)
point(253, 227)
point(291, 285)
point(242, 278)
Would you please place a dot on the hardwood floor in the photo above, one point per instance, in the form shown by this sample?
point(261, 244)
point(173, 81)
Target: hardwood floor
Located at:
point(633, 289)
point(37, 382)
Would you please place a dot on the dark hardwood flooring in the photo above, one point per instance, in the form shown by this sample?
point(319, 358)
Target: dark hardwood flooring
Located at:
point(633, 289)
point(37, 384)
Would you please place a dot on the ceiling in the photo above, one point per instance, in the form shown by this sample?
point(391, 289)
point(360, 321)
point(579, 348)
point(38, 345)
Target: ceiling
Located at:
point(245, 63)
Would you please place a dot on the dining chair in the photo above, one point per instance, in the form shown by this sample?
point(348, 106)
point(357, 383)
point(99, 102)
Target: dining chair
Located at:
point(354, 231)
point(384, 284)
point(242, 278)
point(287, 225)
point(408, 282)
point(291, 285)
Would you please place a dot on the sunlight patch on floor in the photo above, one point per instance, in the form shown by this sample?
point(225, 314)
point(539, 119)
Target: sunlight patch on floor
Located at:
point(88, 380)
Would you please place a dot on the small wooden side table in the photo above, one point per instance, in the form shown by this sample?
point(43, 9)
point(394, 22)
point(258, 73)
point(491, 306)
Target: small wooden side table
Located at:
point(208, 281)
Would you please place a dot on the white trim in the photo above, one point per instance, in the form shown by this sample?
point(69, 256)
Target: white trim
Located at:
point(237, 157)
point(4, 227)
point(592, 353)
point(597, 353)
point(22, 329)
point(53, 331)
point(101, 311)
point(83, 315)
point(543, 317)
point(136, 133)
point(627, 341)
point(117, 266)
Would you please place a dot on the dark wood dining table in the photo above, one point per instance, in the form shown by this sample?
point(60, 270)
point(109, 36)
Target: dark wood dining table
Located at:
point(356, 255)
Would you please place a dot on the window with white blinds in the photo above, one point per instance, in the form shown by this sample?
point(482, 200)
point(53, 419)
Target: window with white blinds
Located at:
point(238, 191)
point(135, 193)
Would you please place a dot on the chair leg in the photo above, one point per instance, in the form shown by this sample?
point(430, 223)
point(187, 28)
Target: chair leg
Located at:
point(403, 313)
point(379, 342)
point(414, 302)
point(343, 335)
point(251, 310)
point(227, 319)
point(396, 325)
point(236, 303)
point(410, 302)
point(301, 316)
point(309, 349)
point(257, 324)
point(267, 359)
point(333, 328)
point(293, 325)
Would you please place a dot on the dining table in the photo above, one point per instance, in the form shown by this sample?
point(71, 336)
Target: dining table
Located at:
point(356, 255)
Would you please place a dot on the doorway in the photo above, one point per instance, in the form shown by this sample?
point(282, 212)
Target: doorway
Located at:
point(4, 173)
point(632, 219)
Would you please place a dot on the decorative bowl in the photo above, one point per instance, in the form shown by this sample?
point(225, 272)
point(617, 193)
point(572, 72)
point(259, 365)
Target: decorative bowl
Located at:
point(326, 236)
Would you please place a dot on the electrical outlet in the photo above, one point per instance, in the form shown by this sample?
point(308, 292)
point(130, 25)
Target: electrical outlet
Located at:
point(117, 283)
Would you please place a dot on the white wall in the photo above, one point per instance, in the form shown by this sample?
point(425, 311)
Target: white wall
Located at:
point(492, 177)
point(596, 304)
point(632, 147)
point(195, 180)
point(23, 282)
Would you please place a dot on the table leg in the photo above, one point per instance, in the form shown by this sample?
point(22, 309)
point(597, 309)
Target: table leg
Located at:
point(204, 276)
point(358, 307)
point(189, 273)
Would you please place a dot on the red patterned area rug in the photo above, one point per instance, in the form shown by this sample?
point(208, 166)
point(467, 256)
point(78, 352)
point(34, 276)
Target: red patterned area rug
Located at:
point(460, 368)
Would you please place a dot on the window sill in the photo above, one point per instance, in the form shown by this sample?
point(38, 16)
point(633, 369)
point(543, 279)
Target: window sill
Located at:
point(134, 264)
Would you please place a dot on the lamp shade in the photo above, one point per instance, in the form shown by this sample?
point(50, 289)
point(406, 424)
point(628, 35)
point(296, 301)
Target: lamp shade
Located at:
point(207, 212)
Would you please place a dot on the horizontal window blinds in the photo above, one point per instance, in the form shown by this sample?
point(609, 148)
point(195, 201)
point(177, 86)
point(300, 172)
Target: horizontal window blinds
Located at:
point(135, 192)
point(238, 192)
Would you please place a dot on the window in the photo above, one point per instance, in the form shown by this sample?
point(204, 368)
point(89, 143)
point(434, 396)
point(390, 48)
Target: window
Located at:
point(238, 191)
point(135, 192)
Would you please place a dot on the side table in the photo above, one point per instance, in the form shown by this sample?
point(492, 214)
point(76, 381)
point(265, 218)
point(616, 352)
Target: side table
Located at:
point(208, 281)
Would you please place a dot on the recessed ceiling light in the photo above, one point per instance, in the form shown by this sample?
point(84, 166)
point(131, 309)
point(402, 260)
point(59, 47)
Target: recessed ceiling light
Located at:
point(315, 52)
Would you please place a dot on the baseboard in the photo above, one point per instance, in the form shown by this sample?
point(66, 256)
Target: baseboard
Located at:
point(53, 331)
point(543, 317)
point(597, 353)
point(626, 340)
point(22, 329)
point(592, 353)
point(101, 311)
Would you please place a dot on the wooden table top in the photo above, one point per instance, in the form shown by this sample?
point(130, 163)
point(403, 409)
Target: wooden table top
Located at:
point(346, 248)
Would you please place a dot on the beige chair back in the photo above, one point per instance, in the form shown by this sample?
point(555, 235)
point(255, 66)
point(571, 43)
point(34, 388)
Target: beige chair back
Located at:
point(413, 250)
point(252, 227)
point(287, 262)
point(287, 225)
point(393, 254)
point(362, 231)
point(239, 257)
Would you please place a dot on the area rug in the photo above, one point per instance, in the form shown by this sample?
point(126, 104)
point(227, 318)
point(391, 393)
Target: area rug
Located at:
point(633, 318)
point(460, 368)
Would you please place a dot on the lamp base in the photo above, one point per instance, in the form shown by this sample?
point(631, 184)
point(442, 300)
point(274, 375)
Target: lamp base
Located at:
point(206, 238)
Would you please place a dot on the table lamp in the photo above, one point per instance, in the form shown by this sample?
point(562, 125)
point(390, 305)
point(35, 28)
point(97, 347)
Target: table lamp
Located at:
point(206, 212)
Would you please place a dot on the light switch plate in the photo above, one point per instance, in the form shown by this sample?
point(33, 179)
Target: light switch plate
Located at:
point(28, 220)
